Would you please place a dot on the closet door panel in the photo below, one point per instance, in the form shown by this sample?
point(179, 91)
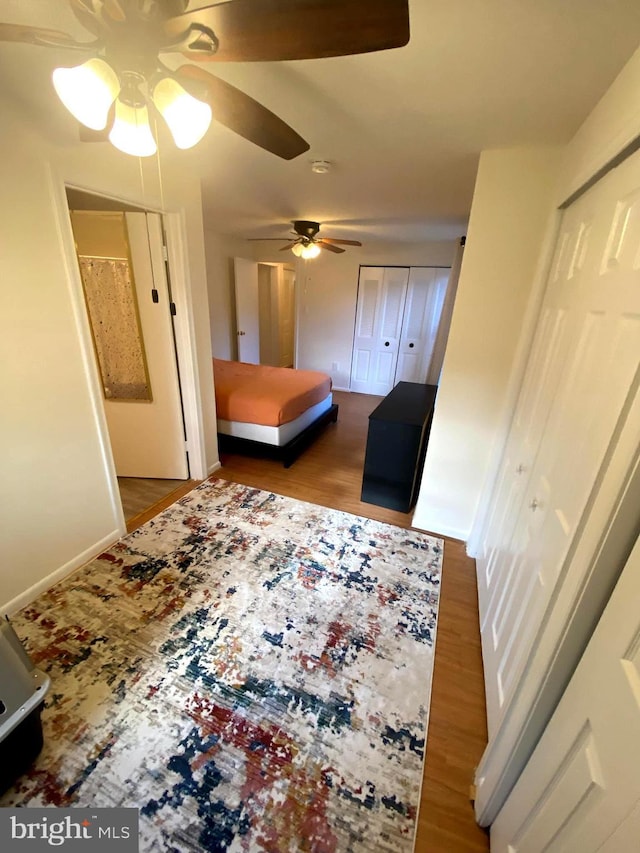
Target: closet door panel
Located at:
point(534, 402)
point(571, 426)
point(423, 308)
point(381, 300)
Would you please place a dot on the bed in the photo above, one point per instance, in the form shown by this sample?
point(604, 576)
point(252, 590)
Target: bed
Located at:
point(270, 411)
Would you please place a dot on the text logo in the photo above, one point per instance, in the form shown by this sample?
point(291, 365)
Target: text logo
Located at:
point(29, 830)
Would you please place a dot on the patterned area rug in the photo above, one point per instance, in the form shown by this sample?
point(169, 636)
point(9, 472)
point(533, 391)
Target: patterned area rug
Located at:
point(252, 672)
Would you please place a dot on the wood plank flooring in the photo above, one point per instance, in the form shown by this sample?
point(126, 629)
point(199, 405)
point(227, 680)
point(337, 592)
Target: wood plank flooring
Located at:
point(330, 474)
point(142, 498)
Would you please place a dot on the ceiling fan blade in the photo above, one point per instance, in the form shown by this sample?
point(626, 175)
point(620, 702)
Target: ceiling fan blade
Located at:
point(264, 239)
point(85, 13)
point(329, 246)
point(240, 113)
point(298, 29)
point(288, 246)
point(38, 35)
point(340, 242)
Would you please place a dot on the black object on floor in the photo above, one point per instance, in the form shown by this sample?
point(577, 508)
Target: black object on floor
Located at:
point(396, 446)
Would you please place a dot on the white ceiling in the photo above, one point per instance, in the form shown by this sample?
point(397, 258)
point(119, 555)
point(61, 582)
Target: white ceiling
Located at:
point(402, 128)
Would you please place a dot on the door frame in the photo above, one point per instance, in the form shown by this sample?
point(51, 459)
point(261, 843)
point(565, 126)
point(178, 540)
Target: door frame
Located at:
point(183, 325)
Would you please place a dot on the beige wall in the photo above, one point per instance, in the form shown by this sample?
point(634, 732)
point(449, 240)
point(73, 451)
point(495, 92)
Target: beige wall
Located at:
point(57, 507)
point(102, 234)
point(511, 207)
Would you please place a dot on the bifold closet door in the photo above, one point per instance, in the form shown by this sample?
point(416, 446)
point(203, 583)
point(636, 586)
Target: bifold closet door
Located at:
point(379, 314)
point(581, 382)
point(426, 290)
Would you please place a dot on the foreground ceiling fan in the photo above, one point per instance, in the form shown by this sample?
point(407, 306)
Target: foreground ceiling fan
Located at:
point(307, 243)
point(123, 76)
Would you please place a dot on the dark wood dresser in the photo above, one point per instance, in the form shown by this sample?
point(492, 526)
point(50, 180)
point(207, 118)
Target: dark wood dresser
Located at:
point(396, 446)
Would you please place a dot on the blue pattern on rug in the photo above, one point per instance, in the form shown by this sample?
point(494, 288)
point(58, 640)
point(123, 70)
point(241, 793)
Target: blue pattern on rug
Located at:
point(252, 672)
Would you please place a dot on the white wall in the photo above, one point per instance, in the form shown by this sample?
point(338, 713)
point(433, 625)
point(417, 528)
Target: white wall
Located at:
point(509, 215)
point(56, 506)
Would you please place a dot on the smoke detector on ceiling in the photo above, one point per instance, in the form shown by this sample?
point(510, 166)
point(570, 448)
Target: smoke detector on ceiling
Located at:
point(320, 167)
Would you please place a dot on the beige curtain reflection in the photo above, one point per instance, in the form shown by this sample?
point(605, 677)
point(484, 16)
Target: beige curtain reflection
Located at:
point(111, 302)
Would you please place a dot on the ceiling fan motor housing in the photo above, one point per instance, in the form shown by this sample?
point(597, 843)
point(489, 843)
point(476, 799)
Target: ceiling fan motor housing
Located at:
point(306, 229)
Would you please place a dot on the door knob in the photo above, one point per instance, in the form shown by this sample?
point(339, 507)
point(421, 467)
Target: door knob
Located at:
point(241, 333)
point(520, 469)
point(534, 505)
point(386, 343)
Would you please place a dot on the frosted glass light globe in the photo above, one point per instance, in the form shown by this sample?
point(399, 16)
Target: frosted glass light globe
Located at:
point(87, 91)
point(187, 117)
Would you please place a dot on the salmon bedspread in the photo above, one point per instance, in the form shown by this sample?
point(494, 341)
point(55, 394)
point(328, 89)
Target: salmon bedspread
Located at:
point(257, 394)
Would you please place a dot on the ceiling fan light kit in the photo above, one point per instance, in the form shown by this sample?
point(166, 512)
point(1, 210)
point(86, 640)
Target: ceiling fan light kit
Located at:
point(125, 68)
point(306, 250)
point(307, 243)
point(89, 90)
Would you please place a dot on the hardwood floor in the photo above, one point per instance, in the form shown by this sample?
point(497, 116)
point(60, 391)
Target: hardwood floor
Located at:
point(142, 498)
point(330, 474)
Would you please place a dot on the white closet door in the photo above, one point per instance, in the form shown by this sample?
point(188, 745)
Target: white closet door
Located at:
point(381, 298)
point(580, 790)
point(546, 364)
point(592, 379)
point(423, 307)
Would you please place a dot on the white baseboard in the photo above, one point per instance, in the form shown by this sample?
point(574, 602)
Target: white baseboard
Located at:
point(339, 388)
point(47, 582)
point(213, 468)
point(439, 529)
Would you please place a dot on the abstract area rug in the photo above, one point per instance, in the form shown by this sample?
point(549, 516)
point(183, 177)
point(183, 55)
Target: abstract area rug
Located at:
point(252, 672)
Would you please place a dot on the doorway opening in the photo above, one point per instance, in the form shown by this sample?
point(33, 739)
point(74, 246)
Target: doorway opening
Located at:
point(265, 312)
point(123, 267)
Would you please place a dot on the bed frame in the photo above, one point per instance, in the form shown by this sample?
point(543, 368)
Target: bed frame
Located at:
point(285, 453)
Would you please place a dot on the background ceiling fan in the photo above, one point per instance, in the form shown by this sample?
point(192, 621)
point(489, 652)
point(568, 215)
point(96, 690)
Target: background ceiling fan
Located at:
point(130, 36)
point(307, 243)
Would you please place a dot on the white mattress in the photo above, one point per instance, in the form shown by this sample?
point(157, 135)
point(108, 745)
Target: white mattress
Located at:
point(276, 435)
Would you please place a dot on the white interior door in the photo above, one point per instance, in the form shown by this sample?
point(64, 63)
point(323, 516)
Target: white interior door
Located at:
point(126, 291)
point(580, 790)
point(247, 310)
point(147, 437)
point(597, 303)
point(379, 314)
point(426, 290)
